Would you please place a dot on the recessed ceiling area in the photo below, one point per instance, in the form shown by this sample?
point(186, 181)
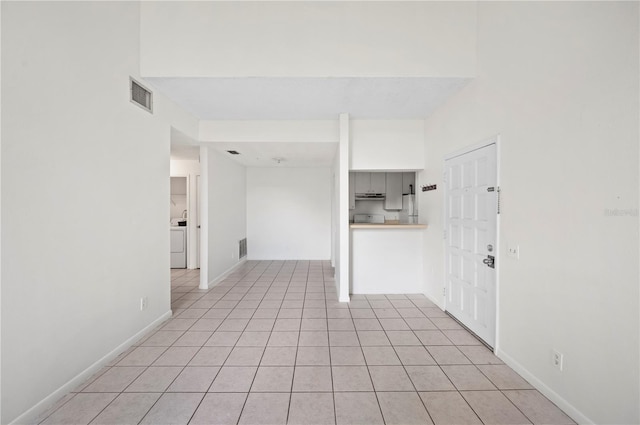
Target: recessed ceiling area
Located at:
point(284, 155)
point(262, 98)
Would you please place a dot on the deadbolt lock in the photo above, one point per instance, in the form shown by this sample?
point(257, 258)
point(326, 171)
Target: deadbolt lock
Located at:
point(490, 261)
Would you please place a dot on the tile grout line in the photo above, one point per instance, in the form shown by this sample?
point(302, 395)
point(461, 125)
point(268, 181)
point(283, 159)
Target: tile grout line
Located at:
point(295, 358)
point(333, 389)
point(393, 347)
point(264, 349)
point(195, 354)
point(253, 289)
point(375, 392)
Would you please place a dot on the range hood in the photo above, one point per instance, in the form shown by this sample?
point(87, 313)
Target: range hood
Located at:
point(369, 196)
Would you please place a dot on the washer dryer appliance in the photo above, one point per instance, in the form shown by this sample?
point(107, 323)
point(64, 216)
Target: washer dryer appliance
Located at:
point(178, 247)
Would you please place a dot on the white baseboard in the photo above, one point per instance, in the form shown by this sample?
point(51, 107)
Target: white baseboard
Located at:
point(563, 404)
point(226, 273)
point(40, 408)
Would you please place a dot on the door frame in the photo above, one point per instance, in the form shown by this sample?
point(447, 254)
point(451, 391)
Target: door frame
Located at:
point(187, 178)
point(495, 139)
point(197, 220)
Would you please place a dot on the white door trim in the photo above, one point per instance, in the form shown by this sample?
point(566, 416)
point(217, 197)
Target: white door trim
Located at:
point(490, 141)
point(495, 139)
point(198, 183)
point(187, 245)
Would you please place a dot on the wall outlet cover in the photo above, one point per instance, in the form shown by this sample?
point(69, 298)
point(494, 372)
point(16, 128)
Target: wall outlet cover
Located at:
point(557, 360)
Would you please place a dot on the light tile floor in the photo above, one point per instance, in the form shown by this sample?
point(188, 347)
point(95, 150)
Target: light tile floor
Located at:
point(272, 345)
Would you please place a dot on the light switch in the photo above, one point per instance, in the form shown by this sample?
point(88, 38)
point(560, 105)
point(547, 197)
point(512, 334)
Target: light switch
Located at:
point(513, 251)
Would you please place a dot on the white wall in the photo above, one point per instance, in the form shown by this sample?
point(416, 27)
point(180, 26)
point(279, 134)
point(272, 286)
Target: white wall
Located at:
point(341, 176)
point(316, 131)
point(387, 261)
point(386, 145)
point(85, 189)
point(306, 39)
point(227, 212)
point(559, 82)
point(178, 198)
point(289, 213)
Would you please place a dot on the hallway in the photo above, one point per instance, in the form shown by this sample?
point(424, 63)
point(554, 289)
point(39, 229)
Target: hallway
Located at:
point(272, 345)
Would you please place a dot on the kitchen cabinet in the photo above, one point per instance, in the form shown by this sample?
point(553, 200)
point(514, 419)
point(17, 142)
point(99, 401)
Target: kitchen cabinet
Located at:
point(352, 191)
point(408, 179)
point(363, 182)
point(393, 198)
point(378, 183)
point(370, 182)
point(178, 245)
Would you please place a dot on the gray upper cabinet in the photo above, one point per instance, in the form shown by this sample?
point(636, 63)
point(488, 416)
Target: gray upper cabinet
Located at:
point(370, 182)
point(378, 183)
point(393, 199)
point(363, 182)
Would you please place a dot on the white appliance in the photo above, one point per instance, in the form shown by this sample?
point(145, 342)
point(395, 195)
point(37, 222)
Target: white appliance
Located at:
point(368, 218)
point(178, 247)
point(409, 212)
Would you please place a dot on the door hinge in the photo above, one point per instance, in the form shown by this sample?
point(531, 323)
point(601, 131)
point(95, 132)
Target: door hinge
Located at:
point(444, 291)
point(497, 190)
point(444, 234)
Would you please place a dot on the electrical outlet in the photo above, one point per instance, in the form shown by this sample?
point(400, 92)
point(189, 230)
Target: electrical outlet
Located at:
point(143, 303)
point(513, 251)
point(557, 360)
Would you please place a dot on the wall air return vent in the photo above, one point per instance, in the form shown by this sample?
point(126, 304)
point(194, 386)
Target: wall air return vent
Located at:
point(242, 248)
point(141, 96)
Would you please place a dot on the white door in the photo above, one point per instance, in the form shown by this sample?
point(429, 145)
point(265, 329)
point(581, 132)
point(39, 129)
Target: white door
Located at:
point(471, 212)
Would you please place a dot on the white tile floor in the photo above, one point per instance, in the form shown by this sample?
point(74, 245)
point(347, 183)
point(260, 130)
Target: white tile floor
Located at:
point(272, 345)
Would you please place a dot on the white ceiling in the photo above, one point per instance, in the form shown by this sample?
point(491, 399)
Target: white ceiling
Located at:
point(262, 154)
point(298, 99)
point(308, 98)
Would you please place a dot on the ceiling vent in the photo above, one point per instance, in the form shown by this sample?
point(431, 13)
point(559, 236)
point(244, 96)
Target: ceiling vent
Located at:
point(141, 96)
point(234, 152)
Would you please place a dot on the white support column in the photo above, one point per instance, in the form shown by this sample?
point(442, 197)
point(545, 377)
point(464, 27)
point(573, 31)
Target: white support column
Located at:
point(204, 218)
point(344, 277)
